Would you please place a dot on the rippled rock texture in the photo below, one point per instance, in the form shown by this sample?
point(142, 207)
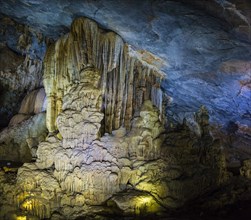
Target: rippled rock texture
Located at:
point(139, 171)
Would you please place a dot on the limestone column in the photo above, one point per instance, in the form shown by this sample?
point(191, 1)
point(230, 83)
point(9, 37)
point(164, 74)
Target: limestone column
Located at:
point(51, 113)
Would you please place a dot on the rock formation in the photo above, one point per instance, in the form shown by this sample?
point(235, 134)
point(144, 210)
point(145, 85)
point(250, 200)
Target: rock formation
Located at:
point(126, 81)
point(19, 141)
point(33, 103)
point(21, 54)
point(143, 171)
point(111, 149)
point(129, 132)
point(86, 164)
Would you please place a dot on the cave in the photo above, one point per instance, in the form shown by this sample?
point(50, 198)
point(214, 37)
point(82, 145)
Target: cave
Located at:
point(125, 109)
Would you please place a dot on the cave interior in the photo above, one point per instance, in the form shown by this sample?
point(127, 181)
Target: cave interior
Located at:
point(123, 109)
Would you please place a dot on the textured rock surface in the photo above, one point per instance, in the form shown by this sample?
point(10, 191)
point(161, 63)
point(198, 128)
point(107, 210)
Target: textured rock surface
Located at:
point(192, 43)
point(95, 168)
point(127, 76)
point(19, 141)
point(21, 54)
point(139, 171)
point(136, 198)
point(33, 103)
point(112, 154)
point(237, 13)
point(13, 139)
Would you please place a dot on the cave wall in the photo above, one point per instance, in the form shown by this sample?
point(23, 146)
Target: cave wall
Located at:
point(112, 149)
point(19, 141)
point(193, 38)
point(236, 13)
point(21, 55)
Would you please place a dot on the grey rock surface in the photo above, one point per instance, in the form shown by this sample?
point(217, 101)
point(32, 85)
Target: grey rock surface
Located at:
point(21, 55)
point(14, 141)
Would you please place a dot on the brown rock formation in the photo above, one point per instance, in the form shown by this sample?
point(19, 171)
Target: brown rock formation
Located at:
point(136, 171)
point(126, 81)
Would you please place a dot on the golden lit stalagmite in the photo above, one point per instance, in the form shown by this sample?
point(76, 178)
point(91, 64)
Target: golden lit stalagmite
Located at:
point(91, 166)
point(127, 77)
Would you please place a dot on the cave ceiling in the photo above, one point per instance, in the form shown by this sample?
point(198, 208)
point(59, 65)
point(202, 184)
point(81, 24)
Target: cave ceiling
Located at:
point(204, 46)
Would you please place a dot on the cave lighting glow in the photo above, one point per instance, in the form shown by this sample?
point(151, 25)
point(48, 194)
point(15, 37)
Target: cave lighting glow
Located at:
point(21, 218)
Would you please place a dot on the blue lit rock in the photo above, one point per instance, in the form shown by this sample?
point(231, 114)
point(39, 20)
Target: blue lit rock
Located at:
point(21, 54)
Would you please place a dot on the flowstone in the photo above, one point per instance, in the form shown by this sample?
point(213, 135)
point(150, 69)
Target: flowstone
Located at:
point(81, 169)
point(127, 78)
point(138, 172)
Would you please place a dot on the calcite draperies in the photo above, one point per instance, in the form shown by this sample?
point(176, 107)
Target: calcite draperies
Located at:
point(126, 79)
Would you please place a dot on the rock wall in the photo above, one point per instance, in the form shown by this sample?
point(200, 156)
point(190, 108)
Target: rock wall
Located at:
point(234, 12)
point(126, 79)
point(19, 141)
point(21, 54)
point(16, 142)
point(33, 103)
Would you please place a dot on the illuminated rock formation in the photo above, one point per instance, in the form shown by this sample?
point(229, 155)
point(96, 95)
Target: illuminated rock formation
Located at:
point(82, 162)
point(136, 171)
point(108, 150)
point(126, 81)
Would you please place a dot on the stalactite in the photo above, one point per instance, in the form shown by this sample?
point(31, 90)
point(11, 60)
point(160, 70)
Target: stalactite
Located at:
point(126, 79)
